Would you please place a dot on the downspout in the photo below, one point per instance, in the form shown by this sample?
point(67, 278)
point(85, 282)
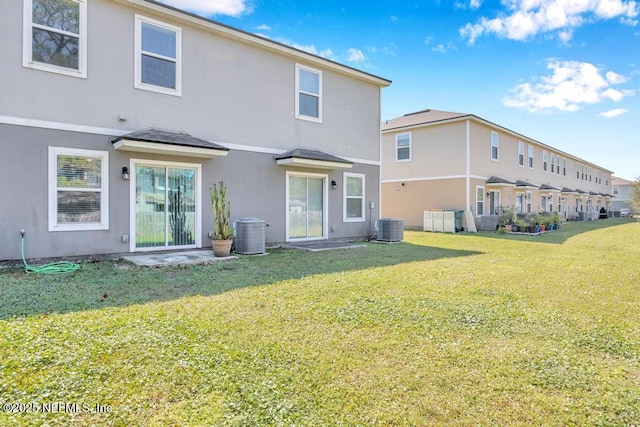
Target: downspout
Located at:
point(468, 207)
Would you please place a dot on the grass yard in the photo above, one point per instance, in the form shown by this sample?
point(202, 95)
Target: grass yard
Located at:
point(461, 330)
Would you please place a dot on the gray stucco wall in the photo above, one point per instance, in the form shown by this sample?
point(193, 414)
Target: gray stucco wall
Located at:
point(255, 182)
point(231, 92)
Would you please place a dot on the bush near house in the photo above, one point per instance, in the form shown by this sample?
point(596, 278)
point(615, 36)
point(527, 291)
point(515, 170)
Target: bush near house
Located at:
point(444, 329)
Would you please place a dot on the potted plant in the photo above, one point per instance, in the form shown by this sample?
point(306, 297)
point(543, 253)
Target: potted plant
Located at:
point(222, 234)
point(556, 220)
point(520, 225)
point(505, 219)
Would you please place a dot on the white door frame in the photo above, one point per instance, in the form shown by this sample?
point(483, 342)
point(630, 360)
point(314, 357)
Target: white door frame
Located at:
point(132, 202)
point(325, 205)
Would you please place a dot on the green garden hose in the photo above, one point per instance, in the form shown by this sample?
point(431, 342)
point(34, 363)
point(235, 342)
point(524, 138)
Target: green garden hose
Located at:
point(51, 268)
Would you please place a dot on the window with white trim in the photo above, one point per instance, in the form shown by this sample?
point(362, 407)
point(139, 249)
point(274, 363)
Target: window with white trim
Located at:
point(479, 200)
point(615, 190)
point(520, 153)
point(495, 142)
point(353, 206)
point(520, 202)
point(528, 201)
point(564, 166)
point(530, 149)
point(544, 160)
point(308, 94)
point(78, 189)
point(553, 163)
point(55, 36)
point(403, 147)
point(158, 60)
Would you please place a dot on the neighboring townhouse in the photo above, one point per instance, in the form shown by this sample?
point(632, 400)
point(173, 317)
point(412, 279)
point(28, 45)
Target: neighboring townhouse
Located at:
point(116, 117)
point(434, 160)
point(621, 190)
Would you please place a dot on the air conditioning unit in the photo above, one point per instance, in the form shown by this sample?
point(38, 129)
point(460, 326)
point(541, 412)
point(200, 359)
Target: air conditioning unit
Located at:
point(390, 230)
point(250, 236)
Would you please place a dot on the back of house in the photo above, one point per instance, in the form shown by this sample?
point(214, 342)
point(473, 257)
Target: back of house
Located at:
point(439, 160)
point(116, 116)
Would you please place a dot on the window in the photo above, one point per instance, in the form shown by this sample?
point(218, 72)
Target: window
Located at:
point(616, 190)
point(55, 36)
point(494, 146)
point(519, 202)
point(403, 147)
point(353, 185)
point(578, 167)
point(78, 189)
point(158, 63)
point(553, 163)
point(564, 166)
point(530, 156)
point(308, 94)
point(528, 201)
point(520, 153)
point(479, 200)
point(550, 202)
point(544, 160)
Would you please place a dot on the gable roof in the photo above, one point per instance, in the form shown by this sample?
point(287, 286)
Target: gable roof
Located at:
point(616, 180)
point(252, 39)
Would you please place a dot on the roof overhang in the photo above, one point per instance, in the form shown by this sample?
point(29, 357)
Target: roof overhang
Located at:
point(312, 159)
point(173, 150)
point(158, 141)
point(495, 181)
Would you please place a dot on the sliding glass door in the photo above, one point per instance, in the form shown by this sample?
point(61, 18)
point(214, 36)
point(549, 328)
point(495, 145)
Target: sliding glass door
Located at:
point(306, 207)
point(165, 207)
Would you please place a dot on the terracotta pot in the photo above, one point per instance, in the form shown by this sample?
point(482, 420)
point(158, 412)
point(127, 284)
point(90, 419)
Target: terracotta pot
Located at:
point(221, 248)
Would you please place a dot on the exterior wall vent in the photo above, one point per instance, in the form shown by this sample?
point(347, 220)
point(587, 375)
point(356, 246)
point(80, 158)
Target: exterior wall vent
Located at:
point(250, 236)
point(390, 230)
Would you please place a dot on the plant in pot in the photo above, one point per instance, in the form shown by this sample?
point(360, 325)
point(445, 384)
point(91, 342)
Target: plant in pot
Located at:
point(222, 234)
point(520, 225)
point(556, 220)
point(505, 219)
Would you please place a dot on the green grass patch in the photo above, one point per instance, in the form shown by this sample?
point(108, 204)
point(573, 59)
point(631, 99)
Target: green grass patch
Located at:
point(463, 329)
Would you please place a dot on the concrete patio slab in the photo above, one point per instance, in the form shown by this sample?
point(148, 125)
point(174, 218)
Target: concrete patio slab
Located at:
point(322, 246)
point(176, 258)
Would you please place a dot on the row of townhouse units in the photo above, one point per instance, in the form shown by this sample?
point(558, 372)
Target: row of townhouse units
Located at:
point(117, 116)
point(434, 160)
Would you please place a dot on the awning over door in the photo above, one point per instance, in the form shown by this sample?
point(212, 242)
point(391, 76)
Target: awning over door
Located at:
point(312, 159)
point(160, 141)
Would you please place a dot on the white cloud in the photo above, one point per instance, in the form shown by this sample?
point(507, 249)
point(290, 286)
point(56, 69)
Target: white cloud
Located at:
point(355, 55)
point(213, 7)
point(441, 48)
point(263, 27)
point(428, 40)
point(614, 113)
point(325, 53)
point(524, 19)
point(571, 85)
point(474, 4)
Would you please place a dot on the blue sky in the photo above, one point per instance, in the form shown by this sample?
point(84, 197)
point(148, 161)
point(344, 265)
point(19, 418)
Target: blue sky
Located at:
point(563, 72)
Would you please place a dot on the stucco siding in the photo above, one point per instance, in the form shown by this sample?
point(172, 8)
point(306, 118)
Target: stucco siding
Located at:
point(411, 200)
point(256, 186)
point(435, 151)
point(231, 91)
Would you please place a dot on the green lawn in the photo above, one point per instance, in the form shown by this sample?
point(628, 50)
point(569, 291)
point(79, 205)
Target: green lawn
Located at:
point(458, 330)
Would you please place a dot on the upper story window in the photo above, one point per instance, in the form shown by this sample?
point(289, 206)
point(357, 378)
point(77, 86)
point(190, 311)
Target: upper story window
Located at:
point(158, 60)
point(308, 94)
point(78, 189)
point(544, 160)
point(553, 163)
point(578, 167)
point(494, 145)
point(530, 149)
point(353, 197)
point(520, 153)
point(564, 166)
point(55, 36)
point(403, 147)
point(615, 190)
